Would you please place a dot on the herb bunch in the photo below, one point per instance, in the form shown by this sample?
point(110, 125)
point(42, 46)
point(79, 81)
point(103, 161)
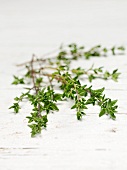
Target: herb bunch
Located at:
point(53, 79)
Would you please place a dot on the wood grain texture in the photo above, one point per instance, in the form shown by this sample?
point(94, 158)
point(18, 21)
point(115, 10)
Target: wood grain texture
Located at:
point(28, 27)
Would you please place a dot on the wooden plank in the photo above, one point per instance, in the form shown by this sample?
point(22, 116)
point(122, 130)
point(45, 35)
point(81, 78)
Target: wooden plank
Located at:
point(39, 27)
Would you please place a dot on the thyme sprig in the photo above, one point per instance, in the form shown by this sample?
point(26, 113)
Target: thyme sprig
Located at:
point(46, 76)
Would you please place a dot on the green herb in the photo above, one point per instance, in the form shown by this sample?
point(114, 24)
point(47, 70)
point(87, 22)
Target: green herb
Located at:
point(18, 80)
point(44, 75)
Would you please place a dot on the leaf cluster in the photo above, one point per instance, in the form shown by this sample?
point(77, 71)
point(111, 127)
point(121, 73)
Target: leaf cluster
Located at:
point(44, 75)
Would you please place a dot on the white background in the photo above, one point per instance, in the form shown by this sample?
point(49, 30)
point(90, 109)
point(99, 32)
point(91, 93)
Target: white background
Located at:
point(39, 26)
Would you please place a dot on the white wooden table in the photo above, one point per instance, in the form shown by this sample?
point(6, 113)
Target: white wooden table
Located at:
point(28, 27)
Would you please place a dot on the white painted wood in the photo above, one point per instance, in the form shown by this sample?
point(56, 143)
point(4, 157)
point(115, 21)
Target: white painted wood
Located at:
point(28, 27)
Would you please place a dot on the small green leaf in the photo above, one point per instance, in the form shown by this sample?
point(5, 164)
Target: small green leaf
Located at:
point(38, 81)
point(16, 107)
point(102, 112)
point(18, 80)
point(16, 98)
point(73, 107)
